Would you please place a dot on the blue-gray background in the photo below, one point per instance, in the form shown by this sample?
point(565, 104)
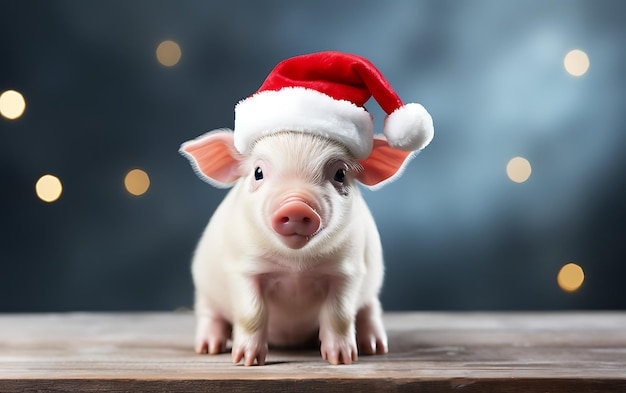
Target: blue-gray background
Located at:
point(457, 233)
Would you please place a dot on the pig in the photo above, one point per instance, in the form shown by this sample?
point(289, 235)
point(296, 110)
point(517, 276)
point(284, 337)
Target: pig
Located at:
point(292, 255)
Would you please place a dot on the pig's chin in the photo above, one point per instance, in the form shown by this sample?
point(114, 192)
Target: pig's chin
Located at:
point(294, 241)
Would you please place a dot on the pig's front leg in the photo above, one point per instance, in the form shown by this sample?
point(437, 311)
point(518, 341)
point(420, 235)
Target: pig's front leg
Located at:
point(212, 329)
point(337, 331)
point(250, 322)
point(370, 332)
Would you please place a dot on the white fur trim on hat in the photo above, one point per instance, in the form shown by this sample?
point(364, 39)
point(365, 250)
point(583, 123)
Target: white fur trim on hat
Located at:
point(304, 110)
point(409, 127)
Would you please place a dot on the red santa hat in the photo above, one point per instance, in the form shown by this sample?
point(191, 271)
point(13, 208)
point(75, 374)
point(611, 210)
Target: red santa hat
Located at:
point(324, 93)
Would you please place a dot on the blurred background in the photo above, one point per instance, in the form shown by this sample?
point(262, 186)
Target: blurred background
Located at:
point(517, 204)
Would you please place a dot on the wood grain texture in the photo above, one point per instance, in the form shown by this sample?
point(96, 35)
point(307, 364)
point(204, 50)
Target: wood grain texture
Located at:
point(429, 352)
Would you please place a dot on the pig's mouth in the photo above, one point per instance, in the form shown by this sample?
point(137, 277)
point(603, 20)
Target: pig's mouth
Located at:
point(296, 222)
point(295, 241)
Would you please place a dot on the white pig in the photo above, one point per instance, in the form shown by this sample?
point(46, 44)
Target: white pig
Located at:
point(292, 254)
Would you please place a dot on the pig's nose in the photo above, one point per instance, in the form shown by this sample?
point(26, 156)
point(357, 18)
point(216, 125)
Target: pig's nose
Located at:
point(295, 218)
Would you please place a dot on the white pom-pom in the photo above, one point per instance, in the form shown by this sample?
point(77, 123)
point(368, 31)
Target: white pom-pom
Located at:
point(409, 127)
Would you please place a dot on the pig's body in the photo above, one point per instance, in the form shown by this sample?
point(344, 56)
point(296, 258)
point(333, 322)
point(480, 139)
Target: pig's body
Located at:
point(269, 285)
point(293, 288)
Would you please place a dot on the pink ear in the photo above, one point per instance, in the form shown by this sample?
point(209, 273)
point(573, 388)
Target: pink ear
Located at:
point(384, 164)
point(214, 157)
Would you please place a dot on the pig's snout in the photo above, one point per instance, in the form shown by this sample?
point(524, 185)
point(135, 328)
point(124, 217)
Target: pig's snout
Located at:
point(295, 221)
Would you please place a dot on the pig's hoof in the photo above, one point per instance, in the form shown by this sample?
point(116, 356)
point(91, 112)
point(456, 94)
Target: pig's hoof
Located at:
point(337, 350)
point(249, 348)
point(371, 344)
point(371, 339)
point(212, 334)
point(210, 345)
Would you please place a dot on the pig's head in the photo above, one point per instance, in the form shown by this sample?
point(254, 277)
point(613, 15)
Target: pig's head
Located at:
point(296, 189)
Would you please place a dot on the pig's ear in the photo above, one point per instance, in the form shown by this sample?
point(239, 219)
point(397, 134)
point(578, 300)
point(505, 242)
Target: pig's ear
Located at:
point(214, 158)
point(384, 164)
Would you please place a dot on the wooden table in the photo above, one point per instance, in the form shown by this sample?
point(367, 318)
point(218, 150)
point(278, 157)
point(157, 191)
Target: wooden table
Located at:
point(429, 352)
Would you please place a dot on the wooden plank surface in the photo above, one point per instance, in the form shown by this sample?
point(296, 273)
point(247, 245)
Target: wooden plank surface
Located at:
point(443, 352)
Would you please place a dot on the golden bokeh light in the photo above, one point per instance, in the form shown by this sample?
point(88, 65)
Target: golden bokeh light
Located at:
point(168, 53)
point(137, 182)
point(518, 169)
point(576, 62)
point(12, 104)
point(48, 188)
point(570, 277)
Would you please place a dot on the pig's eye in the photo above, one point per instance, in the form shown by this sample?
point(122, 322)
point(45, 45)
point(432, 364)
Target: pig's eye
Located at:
point(340, 175)
point(258, 173)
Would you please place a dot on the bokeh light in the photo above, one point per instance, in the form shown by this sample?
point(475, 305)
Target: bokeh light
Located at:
point(168, 53)
point(576, 62)
point(12, 104)
point(570, 277)
point(518, 169)
point(137, 182)
point(48, 188)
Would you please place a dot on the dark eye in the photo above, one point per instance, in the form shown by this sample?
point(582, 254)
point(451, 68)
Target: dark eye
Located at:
point(258, 173)
point(340, 175)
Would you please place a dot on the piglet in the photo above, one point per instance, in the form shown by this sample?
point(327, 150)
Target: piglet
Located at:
point(292, 254)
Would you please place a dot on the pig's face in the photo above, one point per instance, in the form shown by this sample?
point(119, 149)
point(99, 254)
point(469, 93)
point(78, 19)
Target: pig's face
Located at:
point(299, 190)
point(294, 190)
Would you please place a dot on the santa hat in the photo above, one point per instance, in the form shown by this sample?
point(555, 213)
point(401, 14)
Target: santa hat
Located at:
point(324, 93)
